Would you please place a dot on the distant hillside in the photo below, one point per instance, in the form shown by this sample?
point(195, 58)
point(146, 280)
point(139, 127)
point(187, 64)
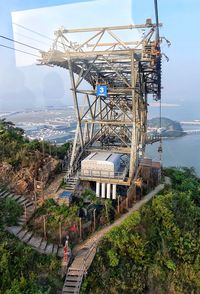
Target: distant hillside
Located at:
point(169, 128)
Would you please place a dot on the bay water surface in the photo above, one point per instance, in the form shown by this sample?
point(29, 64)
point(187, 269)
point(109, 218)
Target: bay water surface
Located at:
point(182, 151)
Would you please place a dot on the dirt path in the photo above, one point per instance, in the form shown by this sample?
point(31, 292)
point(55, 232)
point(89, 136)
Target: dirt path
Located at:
point(96, 237)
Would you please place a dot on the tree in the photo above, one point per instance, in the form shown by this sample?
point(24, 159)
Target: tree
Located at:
point(155, 250)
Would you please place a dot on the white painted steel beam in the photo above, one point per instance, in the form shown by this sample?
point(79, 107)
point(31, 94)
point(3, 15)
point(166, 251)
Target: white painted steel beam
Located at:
point(97, 189)
point(108, 194)
point(114, 191)
point(103, 190)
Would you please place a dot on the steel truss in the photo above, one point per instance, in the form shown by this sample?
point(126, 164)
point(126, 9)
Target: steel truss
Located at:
point(131, 71)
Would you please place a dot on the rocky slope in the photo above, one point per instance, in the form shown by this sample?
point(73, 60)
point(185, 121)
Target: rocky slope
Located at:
point(21, 180)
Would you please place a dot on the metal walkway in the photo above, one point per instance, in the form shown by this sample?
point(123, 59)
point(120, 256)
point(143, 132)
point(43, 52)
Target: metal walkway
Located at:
point(78, 269)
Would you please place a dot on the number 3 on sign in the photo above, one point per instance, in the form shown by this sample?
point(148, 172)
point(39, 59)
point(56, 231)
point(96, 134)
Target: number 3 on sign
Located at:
point(101, 90)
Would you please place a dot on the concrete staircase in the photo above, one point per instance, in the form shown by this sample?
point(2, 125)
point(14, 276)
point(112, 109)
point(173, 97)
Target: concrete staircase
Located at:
point(25, 235)
point(28, 205)
point(71, 184)
point(71, 181)
point(37, 243)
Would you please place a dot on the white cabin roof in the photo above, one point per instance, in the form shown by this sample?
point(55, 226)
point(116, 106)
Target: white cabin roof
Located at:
point(103, 157)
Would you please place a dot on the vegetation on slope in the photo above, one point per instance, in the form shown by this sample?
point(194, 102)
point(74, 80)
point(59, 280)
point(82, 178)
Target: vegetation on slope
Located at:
point(23, 270)
point(22, 161)
point(156, 250)
point(16, 148)
point(10, 211)
point(55, 215)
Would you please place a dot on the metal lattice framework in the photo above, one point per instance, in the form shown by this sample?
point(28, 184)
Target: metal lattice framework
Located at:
point(130, 70)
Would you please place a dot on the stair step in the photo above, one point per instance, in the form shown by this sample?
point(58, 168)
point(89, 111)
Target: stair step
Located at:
point(43, 245)
point(22, 218)
point(60, 252)
point(15, 197)
point(1, 193)
point(27, 215)
point(27, 237)
point(29, 204)
point(35, 241)
point(72, 278)
point(25, 202)
point(30, 208)
point(21, 223)
point(70, 290)
point(71, 284)
point(49, 249)
point(20, 200)
point(5, 195)
point(15, 230)
point(55, 249)
point(21, 234)
point(76, 273)
point(11, 196)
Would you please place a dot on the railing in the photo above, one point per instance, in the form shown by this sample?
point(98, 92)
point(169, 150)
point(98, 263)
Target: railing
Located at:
point(103, 174)
point(93, 246)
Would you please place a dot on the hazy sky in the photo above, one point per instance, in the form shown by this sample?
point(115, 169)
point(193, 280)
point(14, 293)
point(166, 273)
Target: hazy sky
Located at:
point(33, 85)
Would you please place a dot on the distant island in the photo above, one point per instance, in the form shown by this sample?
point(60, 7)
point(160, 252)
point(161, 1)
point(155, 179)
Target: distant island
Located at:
point(169, 128)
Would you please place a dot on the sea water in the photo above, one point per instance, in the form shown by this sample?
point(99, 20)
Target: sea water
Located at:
point(182, 151)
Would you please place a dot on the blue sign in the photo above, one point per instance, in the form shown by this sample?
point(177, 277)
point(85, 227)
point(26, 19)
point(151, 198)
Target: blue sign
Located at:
point(102, 90)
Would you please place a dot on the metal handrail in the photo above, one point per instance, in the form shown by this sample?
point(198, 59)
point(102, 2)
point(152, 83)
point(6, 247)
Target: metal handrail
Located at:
point(103, 174)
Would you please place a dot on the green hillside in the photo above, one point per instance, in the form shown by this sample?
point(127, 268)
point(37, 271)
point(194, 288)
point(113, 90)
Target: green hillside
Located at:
point(23, 160)
point(156, 250)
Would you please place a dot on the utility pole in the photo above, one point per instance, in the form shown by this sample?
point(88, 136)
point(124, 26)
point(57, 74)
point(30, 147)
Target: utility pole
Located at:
point(94, 219)
point(25, 211)
point(60, 232)
point(42, 140)
point(118, 202)
point(55, 147)
point(80, 227)
point(49, 148)
point(44, 227)
point(127, 202)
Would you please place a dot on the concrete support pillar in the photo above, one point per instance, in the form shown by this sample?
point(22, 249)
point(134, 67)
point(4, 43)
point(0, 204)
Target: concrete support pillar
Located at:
point(114, 190)
point(97, 189)
point(108, 191)
point(103, 190)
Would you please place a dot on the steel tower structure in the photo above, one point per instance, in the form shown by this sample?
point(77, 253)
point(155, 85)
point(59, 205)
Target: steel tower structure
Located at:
point(115, 77)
